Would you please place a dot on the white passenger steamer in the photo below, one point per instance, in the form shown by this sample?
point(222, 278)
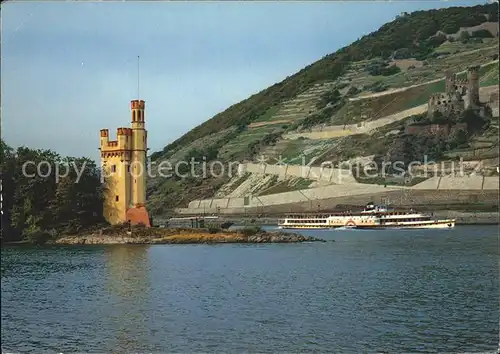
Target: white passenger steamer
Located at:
point(372, 217)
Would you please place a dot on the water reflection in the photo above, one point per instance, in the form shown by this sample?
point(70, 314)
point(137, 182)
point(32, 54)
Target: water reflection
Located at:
point(395, 292)
point(129, 290)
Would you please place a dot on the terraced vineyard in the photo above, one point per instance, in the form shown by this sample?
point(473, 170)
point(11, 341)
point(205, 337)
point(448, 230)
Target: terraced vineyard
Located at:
point(297, 152)
point(258, 126)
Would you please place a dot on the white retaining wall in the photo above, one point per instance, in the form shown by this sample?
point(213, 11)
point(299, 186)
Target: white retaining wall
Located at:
point(491, 183)
point(325, 174)
point(431, 183)
point(471, 182)
point(466, 182)
point(303, 195)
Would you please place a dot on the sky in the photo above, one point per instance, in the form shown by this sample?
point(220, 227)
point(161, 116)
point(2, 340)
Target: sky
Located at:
point(70, 69)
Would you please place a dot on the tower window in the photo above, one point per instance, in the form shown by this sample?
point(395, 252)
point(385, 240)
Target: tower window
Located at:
point(117, 198)
point(128, 168)
point(133, 115)
point(113, 168)
point(135, 181)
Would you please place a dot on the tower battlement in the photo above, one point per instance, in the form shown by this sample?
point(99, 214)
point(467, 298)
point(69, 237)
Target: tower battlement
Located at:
point(473, 69)
point(450, 81)
point(137, 104)
point(124, 131)
point(123, 140)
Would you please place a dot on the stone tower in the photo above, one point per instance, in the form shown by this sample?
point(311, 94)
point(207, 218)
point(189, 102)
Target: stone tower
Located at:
point(123, 164)
point(472, 97)
point(450, 82)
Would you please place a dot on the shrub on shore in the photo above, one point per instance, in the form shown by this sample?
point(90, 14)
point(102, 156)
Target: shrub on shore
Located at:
point(251, 230)
point(214, 230)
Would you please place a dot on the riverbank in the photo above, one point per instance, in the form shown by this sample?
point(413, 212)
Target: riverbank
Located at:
point(461, 217)
point(181, 236)
point(470, 218)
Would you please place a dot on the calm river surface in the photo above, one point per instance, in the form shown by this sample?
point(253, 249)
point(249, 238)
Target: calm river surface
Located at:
point(396, 291)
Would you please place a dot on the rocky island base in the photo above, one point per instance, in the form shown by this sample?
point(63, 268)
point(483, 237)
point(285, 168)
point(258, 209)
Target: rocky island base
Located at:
point(117, 235)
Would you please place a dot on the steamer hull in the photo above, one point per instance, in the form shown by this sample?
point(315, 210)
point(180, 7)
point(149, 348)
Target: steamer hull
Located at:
point(434, 224)
point(372, 217)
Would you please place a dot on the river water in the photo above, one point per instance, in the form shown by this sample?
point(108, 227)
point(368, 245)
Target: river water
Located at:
point(369, 291)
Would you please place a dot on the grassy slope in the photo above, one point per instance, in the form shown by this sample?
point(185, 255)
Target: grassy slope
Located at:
point(236, 141)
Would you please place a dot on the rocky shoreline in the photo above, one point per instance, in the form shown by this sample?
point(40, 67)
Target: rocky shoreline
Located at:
point(181, 236)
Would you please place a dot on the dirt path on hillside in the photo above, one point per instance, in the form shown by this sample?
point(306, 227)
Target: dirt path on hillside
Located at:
point(271, 122)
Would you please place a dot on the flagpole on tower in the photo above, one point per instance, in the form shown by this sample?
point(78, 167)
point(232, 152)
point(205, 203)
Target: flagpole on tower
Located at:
point(138, 78)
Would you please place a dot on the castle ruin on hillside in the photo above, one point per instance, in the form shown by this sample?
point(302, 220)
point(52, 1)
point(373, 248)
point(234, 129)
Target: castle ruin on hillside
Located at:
point(458, 96)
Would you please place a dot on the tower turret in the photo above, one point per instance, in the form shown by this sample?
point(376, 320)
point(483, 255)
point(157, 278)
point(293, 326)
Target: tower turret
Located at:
point(123, 136)
point(432, 104)
point(450, 82)
point(138, 107)
point(114, 161)
point(104, 138)
point(139, 148)
point(473, 86)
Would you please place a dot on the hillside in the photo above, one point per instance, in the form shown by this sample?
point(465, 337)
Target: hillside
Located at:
point(384, 74)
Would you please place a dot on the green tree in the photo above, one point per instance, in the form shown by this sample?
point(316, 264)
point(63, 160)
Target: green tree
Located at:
point(34, 177)
point(330, 97)
point(482, 34)
point(353, 90)
point(464, 36)
point(475, 122)
point(36, 203)
point(78, 200)
point(8, 165)
point(402, 53)
point(461, 138)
